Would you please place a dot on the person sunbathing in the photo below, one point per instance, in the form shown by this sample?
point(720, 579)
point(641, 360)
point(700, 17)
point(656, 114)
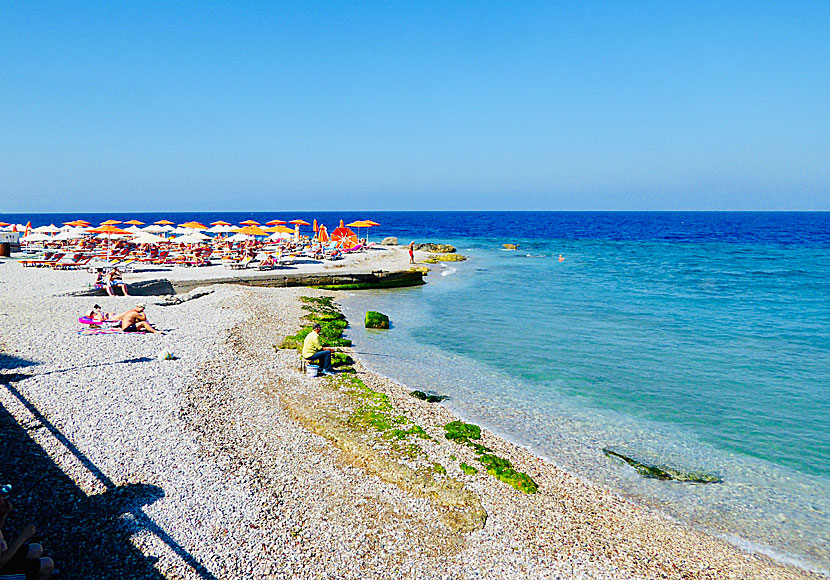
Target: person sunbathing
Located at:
point(134, 320)
point(113, 280)
point(98, 315)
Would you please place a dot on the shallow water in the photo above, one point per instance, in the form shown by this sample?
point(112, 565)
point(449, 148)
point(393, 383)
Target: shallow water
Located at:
point(695, 340)
point(707, 356)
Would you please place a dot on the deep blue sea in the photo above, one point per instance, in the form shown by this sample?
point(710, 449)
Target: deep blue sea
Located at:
point(695, 340)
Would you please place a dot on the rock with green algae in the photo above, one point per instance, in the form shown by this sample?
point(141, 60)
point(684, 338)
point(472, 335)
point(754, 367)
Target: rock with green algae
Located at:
point(428, 397)
point(662, 472)
point(437, 248)
point(445, 258)
point(510, 246)
point(461, 432)
point(376, 320)
point(468, 469)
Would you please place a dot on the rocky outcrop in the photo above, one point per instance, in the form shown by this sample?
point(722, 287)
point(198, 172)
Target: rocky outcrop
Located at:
point(376, 320)
point(437, 248)
point(390, 241)
point(445, 258)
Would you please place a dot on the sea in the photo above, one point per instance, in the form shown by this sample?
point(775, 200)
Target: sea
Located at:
point(695, 341)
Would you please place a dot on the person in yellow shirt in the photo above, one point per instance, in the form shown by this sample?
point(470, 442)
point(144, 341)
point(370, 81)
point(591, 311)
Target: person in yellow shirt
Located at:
point(313, 352)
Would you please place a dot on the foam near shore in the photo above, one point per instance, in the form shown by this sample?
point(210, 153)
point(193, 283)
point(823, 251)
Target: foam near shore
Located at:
point(245, 484)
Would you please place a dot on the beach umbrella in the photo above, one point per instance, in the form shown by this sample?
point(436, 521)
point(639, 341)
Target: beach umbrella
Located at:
point(134, 229)
point(218, 229)
point(250, 223)
point(358, 225)
point(4, 224)
point(343, 235)
point(154, 229)
point(36, 238)
point(135, 223)
point(71, 234)
point(323, 234)
point(240, 238)
point(251, 230)
point(194, 238)
point(300, 222)
point(194, 226)
point(50, 229)
point(220, 223)
point(165, 223)
point(109, 231)
point(280, 230)
point(369, 224)
point(146, 237)
point(110, 223)
point(314, 227)
point(179, 230)
point(278, 236)
point(274, 223)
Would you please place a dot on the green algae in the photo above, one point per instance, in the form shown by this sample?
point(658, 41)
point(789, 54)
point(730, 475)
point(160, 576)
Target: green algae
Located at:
point(397, 283)
point(439, 469)
point(663, 473)
point(376, 319)
point(428, 397)
point(499, 467)
point(468, 469)
point(445, 258)
point(320, 310)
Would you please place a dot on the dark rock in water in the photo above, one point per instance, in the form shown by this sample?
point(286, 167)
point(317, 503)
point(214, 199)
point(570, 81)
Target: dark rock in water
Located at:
point(429, 397)
point(663, 473)
point(438, 248)
point(390, 241)
point(376, 320)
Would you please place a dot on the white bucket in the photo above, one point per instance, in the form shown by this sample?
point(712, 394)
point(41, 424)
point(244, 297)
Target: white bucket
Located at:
point(312, 370)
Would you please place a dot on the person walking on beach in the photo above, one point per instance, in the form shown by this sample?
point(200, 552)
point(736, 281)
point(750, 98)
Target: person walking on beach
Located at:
point(412, 252)
point(134, 320)
point(313, 352)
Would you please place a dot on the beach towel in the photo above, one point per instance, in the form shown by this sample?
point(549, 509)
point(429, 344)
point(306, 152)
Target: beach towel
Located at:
point(98, 330)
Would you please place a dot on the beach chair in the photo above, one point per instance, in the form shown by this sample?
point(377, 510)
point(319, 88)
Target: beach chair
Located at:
point(239, 264)
point(44, 263)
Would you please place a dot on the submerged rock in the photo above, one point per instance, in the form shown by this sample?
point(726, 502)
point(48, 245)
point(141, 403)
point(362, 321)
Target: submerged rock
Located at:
point(445, 258)
point(510, 246)
point(390, 241)
point(428, 397)
point(662, 472)
point(376, 320)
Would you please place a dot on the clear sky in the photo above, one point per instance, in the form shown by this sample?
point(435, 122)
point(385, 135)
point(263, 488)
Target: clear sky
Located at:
point(243, 106)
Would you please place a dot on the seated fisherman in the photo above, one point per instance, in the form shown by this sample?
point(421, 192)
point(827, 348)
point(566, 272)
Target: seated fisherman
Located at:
point(313, 352)
point(134, 320)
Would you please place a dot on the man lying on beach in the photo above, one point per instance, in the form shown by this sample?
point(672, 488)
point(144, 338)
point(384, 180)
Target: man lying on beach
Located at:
point(134, 320)
point(313, 352)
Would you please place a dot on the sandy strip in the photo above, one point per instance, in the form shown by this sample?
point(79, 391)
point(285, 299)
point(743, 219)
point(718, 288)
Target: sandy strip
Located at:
point(216, 465)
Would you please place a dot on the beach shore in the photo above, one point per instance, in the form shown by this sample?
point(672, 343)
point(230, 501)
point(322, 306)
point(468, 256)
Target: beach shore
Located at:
point(227, 461)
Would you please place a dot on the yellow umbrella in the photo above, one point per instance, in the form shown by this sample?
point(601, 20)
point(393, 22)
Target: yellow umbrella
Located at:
point(110, 223)
point(250, 223)
point(219, 223)
point(194, 226)
point(251, 231)
point(165, 223)
point(135, 223)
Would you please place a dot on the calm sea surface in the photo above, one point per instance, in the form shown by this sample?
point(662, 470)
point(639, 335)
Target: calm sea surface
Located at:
point(695, 340)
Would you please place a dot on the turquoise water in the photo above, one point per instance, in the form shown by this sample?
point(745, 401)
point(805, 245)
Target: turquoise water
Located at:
point(709, 356)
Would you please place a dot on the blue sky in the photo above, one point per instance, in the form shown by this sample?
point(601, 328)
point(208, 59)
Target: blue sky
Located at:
point(427, 105)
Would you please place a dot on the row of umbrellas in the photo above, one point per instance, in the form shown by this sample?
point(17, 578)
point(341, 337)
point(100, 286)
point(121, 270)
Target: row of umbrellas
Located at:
point(191, 231)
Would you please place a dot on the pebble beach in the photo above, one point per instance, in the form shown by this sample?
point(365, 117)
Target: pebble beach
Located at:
point(227, 461)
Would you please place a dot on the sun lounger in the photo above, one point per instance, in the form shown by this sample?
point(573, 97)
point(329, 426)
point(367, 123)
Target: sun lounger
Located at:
point(47, 260)
point(240, 264)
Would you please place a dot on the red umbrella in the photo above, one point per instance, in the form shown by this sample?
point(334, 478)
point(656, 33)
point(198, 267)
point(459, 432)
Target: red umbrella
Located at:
point(342, 235)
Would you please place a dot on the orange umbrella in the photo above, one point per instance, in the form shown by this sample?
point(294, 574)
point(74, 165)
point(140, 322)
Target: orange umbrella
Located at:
point(323, 234)
point(164, 223)
point(250, 223)
point(314, 227)
point(4, 224)
point(342, 235)
point(110, 223)
point(194, 226)
point(77, 223)
point(251, 231)
point(219, 223)
point(109, 230)
point(300, 222)
point(135, 223)
point(279, 230)
point(371, 223)
point(275, 223)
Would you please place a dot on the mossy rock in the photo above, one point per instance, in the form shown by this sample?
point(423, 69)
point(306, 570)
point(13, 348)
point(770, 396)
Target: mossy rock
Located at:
point(502, 469)
point(437, 248)
point(468, 469)
point(461, 432)
point(445, 258)
point(663, 473)
point(510, 246)
point(421, 269)
point(428, 397)
point(376, 320)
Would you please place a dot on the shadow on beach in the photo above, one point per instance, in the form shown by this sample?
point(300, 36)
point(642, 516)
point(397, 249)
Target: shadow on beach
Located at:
point(87, 536)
